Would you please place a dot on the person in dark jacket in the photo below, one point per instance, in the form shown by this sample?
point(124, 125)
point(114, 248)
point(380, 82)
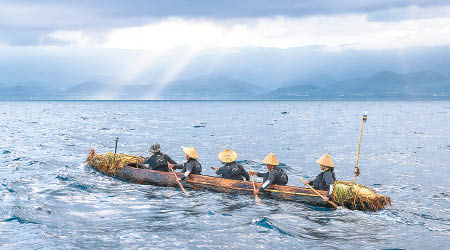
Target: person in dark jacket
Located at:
point(191, 166)
point(158, 161)
point(275, 175)
point(326, 179)
point(231, 169)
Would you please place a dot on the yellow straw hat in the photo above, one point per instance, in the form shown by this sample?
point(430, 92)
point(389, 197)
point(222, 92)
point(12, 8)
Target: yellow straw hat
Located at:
point(326, 160)
point(271, 159)
point(191, 152)
point(227, 156)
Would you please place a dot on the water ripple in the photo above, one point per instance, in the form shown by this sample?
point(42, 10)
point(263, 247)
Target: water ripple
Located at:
point(50, 200)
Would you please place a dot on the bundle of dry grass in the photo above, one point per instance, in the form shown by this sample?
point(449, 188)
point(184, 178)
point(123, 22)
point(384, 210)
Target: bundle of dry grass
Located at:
point(109, 162)
point(359, 197)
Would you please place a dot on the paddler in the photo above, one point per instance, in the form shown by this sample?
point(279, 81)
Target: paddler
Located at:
point(158, 161)
point(191, 166)
point(275, 175)
point(230, 169)
point(324, 180)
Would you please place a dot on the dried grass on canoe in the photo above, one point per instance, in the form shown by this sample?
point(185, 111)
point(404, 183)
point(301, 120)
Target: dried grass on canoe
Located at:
point(359, 197)
point(109, 162)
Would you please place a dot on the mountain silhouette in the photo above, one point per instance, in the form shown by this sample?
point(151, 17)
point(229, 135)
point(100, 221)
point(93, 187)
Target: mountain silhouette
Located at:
point(383, 84)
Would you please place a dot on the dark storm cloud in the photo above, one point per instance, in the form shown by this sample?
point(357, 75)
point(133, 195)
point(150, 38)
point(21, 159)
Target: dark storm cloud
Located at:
point(252, 8)
point(103, 12)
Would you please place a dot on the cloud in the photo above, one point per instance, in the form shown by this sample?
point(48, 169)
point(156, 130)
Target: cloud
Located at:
point(94, 14)
point(146, 41)
point(215, 9)
point(413, 12)
point(25, 22)
point(331, 33)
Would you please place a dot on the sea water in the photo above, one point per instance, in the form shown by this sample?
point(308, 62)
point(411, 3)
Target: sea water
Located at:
point(50, 200)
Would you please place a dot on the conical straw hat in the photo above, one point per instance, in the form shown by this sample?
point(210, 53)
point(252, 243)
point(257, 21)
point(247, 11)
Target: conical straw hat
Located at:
point(191, 152)
point(155, 148)
point(271, 159)
point(326, 160)
point(227, 156)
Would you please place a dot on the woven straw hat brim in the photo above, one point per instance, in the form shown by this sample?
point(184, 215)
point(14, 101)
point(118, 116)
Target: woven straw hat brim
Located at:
point(191, 152)
point(155, 150)
point(227, 156)
point(271, 159)
point(326, 161)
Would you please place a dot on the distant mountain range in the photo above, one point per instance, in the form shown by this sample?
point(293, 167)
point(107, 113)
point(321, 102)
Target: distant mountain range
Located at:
point(21, 92)
point(384, 84)
point(211, 87)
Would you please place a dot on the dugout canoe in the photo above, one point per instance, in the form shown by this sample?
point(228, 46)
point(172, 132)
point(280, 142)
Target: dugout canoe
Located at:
point(348, 194)
point(205, 182)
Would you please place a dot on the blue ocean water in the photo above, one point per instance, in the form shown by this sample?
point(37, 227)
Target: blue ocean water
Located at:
point(50, 200)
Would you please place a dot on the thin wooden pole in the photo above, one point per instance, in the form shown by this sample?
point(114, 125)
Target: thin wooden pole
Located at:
point(245, 189)
point(315, 191)
point(179, 183)
point(359, 147)
point(287, 192)
point(254, 190)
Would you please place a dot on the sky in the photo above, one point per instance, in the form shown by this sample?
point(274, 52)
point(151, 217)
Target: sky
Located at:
point(64, 43)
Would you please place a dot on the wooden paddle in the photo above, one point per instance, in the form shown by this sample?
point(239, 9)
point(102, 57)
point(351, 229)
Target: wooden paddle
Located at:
point(179, 182)
point(257, 200)
point(315, 191)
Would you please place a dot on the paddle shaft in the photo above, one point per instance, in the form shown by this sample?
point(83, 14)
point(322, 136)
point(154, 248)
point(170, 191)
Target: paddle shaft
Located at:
point(315, 191)
point(254, 187)
point(246, 189)
point(115, 149)
point(359, 147)
point(179, 183)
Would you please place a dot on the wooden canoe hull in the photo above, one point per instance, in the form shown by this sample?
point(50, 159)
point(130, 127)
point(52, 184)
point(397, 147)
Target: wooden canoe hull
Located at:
point(204, 182)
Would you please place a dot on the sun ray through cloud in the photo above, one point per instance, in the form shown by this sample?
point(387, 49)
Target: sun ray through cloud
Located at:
point(171, 73)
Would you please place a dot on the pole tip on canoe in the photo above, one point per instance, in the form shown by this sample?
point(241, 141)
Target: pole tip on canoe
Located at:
point(115, 149)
